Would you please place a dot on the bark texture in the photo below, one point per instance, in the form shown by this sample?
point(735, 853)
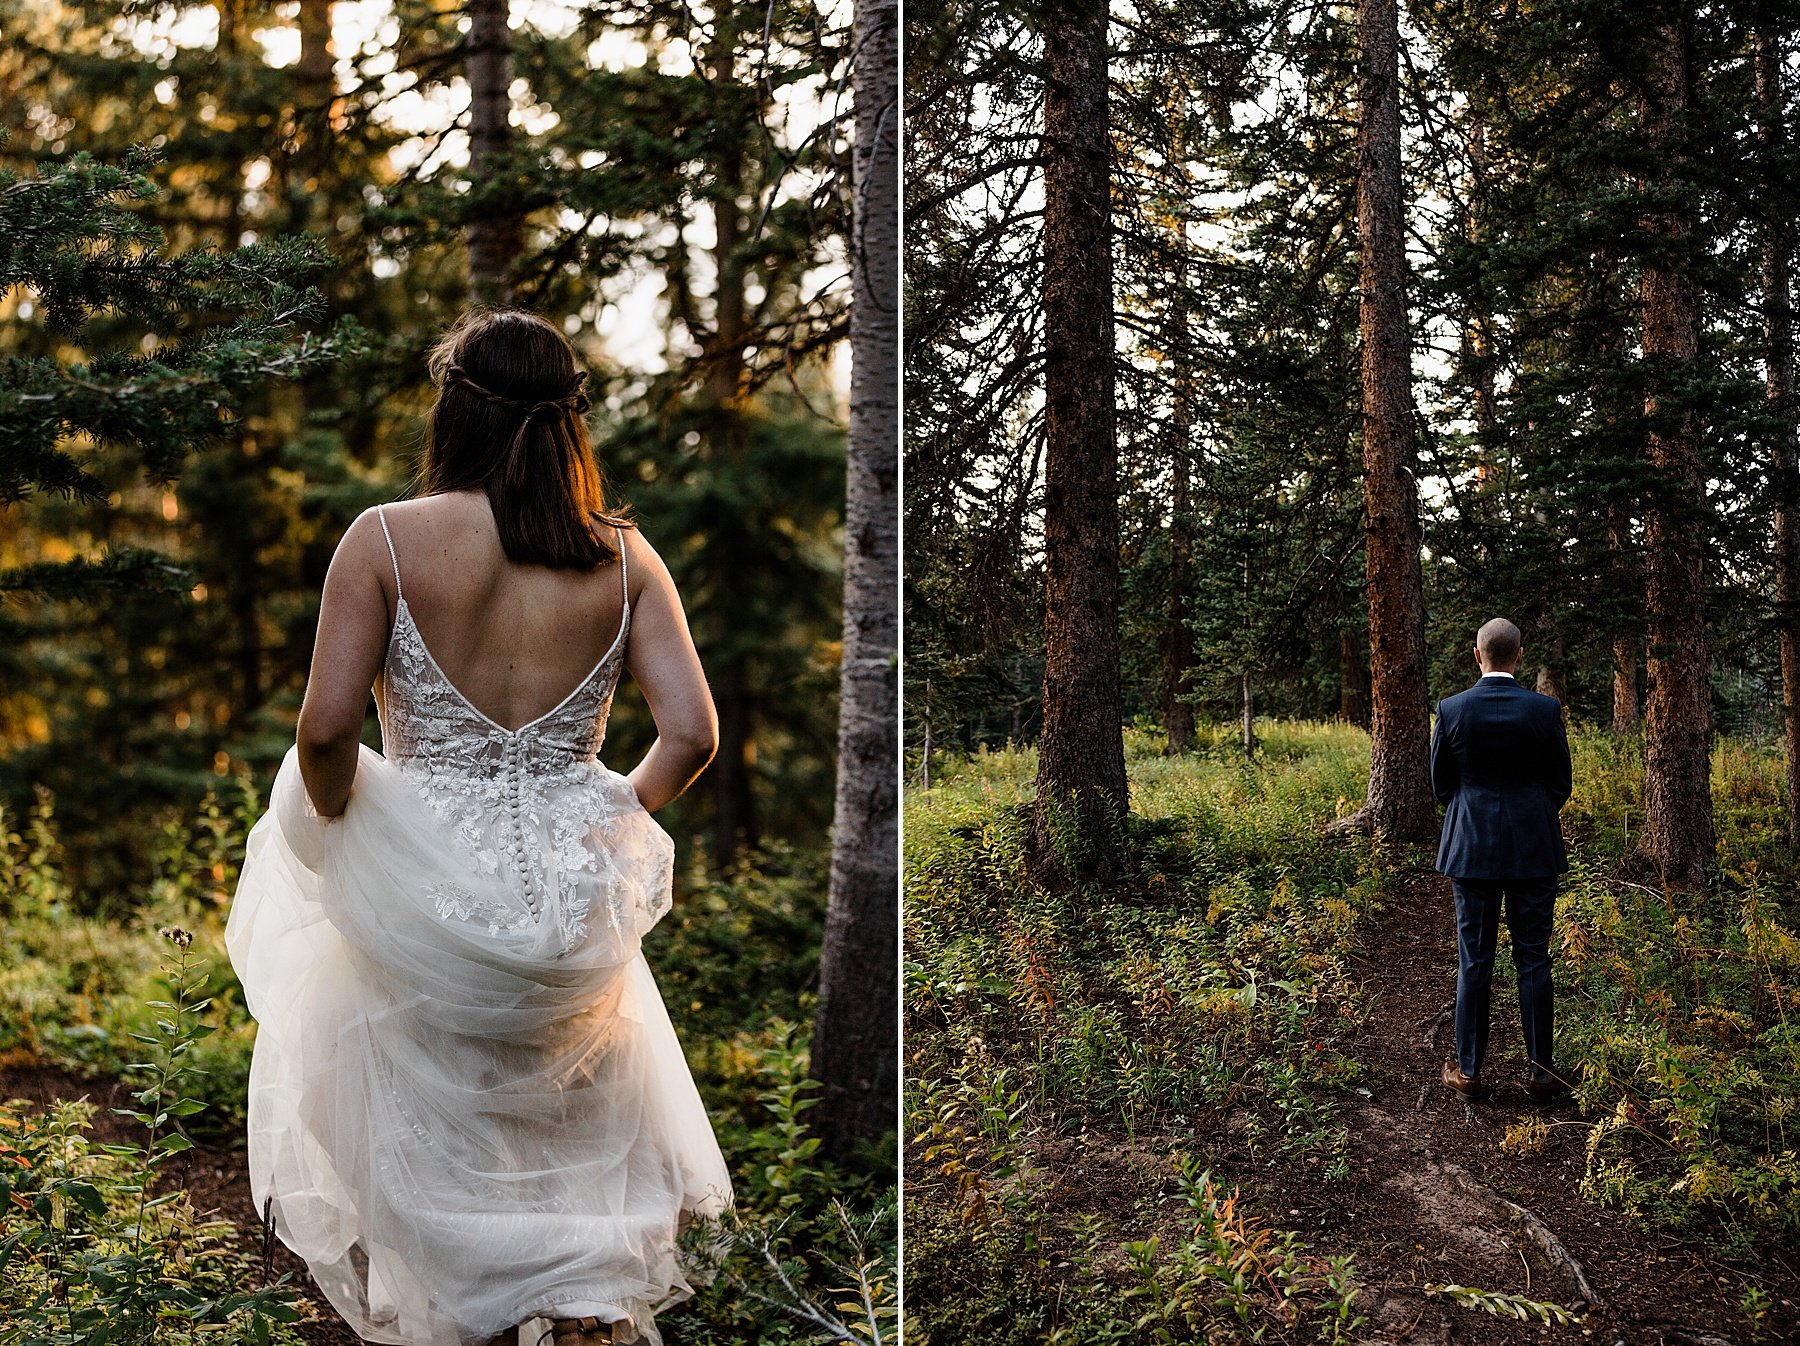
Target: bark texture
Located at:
point(1081, 791)
point(1552, 674)
point(1178, 712)
point(1778, 343)
point(732, 778)
point(1400, 806)
point(855, 1046)
point(1678, 820)
point(494, 234)
point(1353, 680)
point(735, 827)
point(1625, 643)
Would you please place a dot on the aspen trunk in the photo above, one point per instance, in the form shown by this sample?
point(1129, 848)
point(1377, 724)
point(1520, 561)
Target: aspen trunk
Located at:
point(1247, 705)
point(1081, 789)
point(1678, 821)
point(855, 1045)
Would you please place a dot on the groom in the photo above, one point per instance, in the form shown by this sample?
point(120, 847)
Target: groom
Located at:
point(1500, 762)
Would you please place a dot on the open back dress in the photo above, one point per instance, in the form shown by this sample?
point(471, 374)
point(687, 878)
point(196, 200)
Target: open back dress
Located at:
point(468, 1108)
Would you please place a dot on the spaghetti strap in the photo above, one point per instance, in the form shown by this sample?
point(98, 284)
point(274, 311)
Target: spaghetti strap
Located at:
point(393, 556)
point(624, 575)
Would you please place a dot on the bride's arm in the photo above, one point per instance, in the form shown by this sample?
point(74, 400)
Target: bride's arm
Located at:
point(347, 652)
point(664, 664)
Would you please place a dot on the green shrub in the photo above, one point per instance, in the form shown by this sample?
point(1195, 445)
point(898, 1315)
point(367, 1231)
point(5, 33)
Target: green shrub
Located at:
point(90, 1250)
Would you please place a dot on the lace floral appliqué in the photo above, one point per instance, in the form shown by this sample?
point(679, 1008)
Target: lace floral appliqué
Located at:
point(531, 806)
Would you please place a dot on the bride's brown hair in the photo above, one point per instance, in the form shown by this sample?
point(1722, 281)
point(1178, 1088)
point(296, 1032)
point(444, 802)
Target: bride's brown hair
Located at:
point(508, 421)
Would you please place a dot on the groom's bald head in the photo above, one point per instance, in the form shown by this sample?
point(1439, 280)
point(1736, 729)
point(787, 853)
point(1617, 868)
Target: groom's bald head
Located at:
point(1498, 644)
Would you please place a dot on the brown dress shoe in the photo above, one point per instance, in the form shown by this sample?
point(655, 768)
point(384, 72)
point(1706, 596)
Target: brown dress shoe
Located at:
point(1466, 1085)
point(1547, 1088)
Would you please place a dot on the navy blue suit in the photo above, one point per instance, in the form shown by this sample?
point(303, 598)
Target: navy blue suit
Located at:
point(1500, 764)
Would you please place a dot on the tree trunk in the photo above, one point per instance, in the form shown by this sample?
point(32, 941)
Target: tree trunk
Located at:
point(495, 237)
point(1479, 340)
point(1625, 643)
point(1178, 651)
point(1400, 806)
point(1247, 704)
point(1678, 821)
point(1552, 674)
point(734, 801)
point(1778, 344)
point(1081, 754)
point(724, 362)
point(1178, 711)
point(855, 1045)
point(1624, 686)
point(315, 92)
point(1353, 680)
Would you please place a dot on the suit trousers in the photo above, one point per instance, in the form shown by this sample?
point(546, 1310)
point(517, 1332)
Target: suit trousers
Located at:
point(1530, 907)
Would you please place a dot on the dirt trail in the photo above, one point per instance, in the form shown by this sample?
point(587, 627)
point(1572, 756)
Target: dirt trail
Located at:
point(1434, 1199)
point(214, 1174)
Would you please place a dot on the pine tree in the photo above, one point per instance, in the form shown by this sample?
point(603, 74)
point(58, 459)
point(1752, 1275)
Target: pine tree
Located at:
point(1678, 827)
point(158, 355)
point(1399, 805)
point(1081, 804)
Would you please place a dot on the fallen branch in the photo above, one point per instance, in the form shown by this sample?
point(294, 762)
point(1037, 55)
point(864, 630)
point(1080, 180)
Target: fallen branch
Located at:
point(1433, 1024)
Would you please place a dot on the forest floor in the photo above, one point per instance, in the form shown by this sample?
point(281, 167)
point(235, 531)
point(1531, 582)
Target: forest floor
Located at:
point(1429, 1175)
point(216, 1176)
point(1201, 1103)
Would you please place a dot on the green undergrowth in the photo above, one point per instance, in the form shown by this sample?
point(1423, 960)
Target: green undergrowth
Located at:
point(1684, 1007)
point(810, 1248)
point(1069, 1051)
point(1201, 994)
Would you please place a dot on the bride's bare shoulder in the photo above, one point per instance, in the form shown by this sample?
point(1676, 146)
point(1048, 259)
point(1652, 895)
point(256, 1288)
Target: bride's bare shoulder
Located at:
point(645, 561)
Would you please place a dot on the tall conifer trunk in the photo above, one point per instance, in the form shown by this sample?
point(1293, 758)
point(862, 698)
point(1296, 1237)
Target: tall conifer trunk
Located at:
point(731, 781)
point(855, 1046)
point(1081, 789)
point(1178, 711)
point(1678, 821)
point(1478, 342)
point(1778, 356)
point(1625, 643)
point(494, 236)
point(1399, 805)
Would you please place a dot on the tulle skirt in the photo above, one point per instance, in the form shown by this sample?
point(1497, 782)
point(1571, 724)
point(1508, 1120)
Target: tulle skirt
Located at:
point(459, 1127)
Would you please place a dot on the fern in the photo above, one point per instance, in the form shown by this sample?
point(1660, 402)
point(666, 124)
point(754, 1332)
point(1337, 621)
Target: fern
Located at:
point(1504, 1305)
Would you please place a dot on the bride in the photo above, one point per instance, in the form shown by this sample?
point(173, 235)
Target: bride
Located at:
point(468, 1109)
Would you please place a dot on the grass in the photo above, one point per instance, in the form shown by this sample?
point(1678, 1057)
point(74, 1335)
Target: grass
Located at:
point(1062, 1046)
point(1204, 991)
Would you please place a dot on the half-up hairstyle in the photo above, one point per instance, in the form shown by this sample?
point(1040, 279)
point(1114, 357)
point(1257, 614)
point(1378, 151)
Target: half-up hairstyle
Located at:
point(508, 421)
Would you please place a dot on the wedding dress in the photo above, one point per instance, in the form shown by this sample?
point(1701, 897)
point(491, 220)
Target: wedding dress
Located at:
point(468, 1108)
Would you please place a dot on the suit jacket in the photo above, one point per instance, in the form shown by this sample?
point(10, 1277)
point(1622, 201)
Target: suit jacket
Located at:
point(1500, 763)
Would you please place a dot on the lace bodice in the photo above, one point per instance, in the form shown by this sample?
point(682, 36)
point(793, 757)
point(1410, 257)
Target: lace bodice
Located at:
point(524, 802)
